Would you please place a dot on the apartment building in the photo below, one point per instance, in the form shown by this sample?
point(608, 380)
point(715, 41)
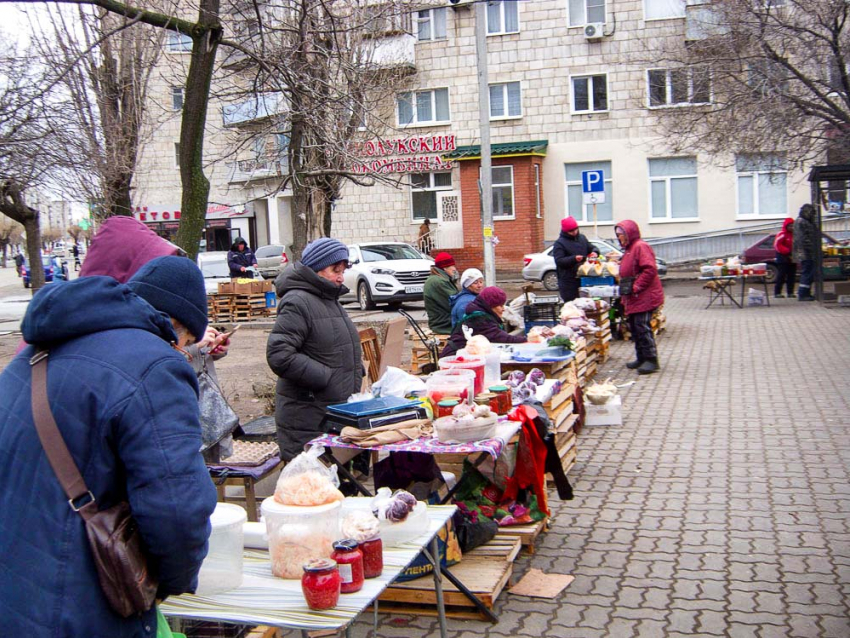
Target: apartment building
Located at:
point(574, 85)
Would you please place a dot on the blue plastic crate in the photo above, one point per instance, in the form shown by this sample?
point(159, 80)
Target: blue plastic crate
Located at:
point(271, 299)
point(596, 281)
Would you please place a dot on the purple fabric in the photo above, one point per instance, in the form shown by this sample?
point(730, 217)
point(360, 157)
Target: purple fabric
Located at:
point(121, 247)
point(235, 471)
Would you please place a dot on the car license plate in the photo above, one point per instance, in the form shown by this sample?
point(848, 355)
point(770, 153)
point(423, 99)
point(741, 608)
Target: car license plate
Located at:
point(412, 289)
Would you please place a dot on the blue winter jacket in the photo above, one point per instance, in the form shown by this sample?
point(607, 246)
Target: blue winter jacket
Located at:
point(459, 303)
point(126, 404)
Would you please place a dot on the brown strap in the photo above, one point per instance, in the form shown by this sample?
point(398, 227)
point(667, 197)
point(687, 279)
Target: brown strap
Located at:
point(54, 445)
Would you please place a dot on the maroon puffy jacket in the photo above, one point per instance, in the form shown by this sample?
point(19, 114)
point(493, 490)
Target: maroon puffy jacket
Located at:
point(639, 262)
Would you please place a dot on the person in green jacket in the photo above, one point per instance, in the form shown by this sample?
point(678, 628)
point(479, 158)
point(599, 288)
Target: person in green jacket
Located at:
point(438, 288)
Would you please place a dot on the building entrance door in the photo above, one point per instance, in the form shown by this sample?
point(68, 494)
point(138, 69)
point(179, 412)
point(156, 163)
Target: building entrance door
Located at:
point(450, 231)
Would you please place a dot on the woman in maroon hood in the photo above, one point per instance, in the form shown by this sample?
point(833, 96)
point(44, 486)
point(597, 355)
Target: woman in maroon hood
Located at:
point(638, 268)
point(784, 245)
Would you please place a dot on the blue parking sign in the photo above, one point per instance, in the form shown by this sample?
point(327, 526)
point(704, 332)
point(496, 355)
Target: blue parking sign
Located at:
point(592, 182)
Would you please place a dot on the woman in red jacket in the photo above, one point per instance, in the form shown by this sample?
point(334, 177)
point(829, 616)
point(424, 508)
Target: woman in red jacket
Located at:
point(641, 293)
point(783, 245)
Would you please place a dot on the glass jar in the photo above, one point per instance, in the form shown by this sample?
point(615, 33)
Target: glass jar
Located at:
point(373, 557)
point(321, 584)
point(445, 407)
point(350, 560)
point(503, 398)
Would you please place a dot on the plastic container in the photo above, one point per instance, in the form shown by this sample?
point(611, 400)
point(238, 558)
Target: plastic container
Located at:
point(476, 364)
point(492, 364)
point(450, 383)
point(298, 535)
point(450, 431)
point(222, 568)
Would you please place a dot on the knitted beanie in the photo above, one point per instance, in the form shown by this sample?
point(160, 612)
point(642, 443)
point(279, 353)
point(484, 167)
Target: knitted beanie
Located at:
point(443, 260)
point(568, 224)
point(324, 252)
point(175, 286)
point(470, 276)
point(493, 296)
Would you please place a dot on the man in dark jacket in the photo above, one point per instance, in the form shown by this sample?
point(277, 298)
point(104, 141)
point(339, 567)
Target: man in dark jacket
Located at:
point(126, 404)
point(484, 317)
point(570, 250)
point(314, 348)
point(805, 240)
point(19, 262)
point(240, 258)
point(439, 289)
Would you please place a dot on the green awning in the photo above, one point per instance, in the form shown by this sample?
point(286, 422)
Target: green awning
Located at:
point(503, 149)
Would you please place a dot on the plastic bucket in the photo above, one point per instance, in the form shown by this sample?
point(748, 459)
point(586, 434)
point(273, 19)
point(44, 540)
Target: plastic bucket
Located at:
point(222, 568)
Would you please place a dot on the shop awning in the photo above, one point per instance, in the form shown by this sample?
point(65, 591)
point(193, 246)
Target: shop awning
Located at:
point(503, 149)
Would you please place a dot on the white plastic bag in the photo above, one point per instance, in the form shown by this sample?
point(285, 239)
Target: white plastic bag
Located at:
point(395, 382)
point(756, 297)
point(306, 481)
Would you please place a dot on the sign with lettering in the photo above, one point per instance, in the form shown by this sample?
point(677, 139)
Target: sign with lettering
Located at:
point(384, 150)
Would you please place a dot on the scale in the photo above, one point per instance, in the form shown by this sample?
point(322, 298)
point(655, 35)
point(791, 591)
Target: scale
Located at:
point(372, 413)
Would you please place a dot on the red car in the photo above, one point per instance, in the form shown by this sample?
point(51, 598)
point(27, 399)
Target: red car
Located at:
point(762, 252)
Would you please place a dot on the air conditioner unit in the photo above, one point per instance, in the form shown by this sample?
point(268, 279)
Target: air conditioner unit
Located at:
point(457, 4)
point(594, 31)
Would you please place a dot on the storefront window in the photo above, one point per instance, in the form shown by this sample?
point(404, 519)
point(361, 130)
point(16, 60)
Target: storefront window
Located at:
point(423, 193)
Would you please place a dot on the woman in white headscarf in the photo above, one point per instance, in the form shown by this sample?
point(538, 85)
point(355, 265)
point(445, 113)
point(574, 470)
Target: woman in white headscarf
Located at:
point(471, 283)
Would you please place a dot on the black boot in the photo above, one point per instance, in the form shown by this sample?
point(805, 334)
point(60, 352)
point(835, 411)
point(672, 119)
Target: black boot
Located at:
point(634, 365)
point(649, 366)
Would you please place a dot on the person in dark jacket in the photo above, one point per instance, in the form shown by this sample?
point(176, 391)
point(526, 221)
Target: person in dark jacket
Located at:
point(805, 240)
point(126, 404)
point(785, 266)
point(439, 288)
point(471, 283)
point(76, 252)
point(638, 266)
point(19, 262)
point(570, 250)
point(483, 317)
point(314, 348)
point(240, 258)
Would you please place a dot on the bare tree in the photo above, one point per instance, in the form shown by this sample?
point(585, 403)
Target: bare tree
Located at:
point(76, 233)
point(773, 75)
point(11, 233)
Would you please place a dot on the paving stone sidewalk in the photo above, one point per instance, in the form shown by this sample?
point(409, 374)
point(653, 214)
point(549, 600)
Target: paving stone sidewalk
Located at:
point(720, 508)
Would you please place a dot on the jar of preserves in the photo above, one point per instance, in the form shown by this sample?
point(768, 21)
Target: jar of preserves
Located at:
point(373, 557)
point(321, 584)
point(349, 558)
point(445, 407)
point(503, 399)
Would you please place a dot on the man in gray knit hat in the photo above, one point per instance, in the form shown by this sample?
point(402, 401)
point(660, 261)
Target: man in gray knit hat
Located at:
point(314, 348)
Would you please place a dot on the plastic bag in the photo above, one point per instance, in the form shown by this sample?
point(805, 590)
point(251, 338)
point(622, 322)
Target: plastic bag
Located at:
point(395, 382)
point(478, 345)
point(756, 297)
point(217, 417)
point(306, 481)
point(584, 270)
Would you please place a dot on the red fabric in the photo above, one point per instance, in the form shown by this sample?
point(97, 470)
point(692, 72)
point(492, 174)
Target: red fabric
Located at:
point(784, 242)
point(568, 224)
point(639, 262)
point(530, 460)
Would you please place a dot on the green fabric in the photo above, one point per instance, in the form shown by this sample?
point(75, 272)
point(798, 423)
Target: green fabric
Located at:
point(438, 288)
point(163, 630)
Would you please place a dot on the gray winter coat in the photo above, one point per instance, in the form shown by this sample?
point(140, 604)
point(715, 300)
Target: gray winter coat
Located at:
point(314, 349)
point(805, 235)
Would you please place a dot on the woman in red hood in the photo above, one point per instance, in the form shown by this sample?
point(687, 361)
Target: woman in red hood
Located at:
point(784, 245)
point(641, 293)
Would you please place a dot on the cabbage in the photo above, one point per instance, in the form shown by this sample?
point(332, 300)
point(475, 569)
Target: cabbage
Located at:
point(536, 376)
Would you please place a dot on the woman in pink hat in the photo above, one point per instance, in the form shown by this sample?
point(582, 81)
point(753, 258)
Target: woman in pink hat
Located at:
point(571, 249)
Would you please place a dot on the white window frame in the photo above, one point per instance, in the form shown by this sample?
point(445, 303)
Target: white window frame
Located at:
point(431, 188)
point(416, 122)
point(176, 154)
point(668, 196)
point(177, 94)
point(430, 19)
point(589, 77)
point(584, 21)
point(755, 177)
point(668, 89)
point(494, 186)
point(502, 22)
point(669, 17)
point(608, 185)
point(178, 42)
point(506, 115)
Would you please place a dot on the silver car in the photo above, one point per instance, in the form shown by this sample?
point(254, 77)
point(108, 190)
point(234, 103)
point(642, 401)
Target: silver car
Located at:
point(541, 266)
point(271, 260)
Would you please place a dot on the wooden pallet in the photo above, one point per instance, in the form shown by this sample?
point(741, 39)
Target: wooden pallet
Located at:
point(527, 534)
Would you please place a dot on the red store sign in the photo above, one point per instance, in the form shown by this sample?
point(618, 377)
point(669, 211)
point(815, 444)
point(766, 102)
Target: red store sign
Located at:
point(383, 149)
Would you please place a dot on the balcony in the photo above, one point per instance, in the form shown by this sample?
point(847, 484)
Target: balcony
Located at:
point(262, 106)
point(245, 171)
point(395, 52)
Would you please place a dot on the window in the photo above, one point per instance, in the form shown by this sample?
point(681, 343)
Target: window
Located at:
point(423, 107)
point(505, 100)
point(686, 85)
point(431, 24)
point(673, 188)
point(575, 207)
point(762, 185)
point(584, 11)
point(660, 9)
point(176, 97)
point(502, 17)
point(590, 93)
point(767, 77)
point(177, 154)
point(178, 42)
point(423, 193)
point(385, 19)
point(502, 183)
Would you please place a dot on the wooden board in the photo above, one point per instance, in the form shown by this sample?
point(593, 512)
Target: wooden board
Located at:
point(527, 534)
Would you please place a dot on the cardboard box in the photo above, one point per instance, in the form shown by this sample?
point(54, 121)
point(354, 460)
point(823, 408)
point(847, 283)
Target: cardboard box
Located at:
point(842, 288)
point(225, 287)
point(243, 289)
point(609, 414)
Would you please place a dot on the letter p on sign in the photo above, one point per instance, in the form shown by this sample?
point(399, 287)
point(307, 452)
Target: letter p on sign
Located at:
point(593, 187)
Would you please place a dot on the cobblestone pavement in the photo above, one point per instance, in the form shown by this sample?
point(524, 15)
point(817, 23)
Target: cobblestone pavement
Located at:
point(720, 508)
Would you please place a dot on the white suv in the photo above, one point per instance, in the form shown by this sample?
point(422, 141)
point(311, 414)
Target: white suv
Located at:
point(386, 272)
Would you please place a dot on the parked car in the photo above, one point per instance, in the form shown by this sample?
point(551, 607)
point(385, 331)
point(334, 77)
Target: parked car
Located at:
point(762, 252)
point(271, 260)
point(388, 272)
point(541, 266)
point(47, 262)
point(214, 267)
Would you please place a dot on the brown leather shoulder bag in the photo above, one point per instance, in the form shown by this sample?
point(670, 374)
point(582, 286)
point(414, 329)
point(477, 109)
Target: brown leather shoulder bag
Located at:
point(114, 538)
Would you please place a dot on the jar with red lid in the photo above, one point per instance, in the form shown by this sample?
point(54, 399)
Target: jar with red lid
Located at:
point(321, 584)
point(373, 557)
point(350, 560)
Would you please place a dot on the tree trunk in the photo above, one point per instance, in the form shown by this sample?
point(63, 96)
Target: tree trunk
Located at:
point(33, 231)
point(196, 187)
